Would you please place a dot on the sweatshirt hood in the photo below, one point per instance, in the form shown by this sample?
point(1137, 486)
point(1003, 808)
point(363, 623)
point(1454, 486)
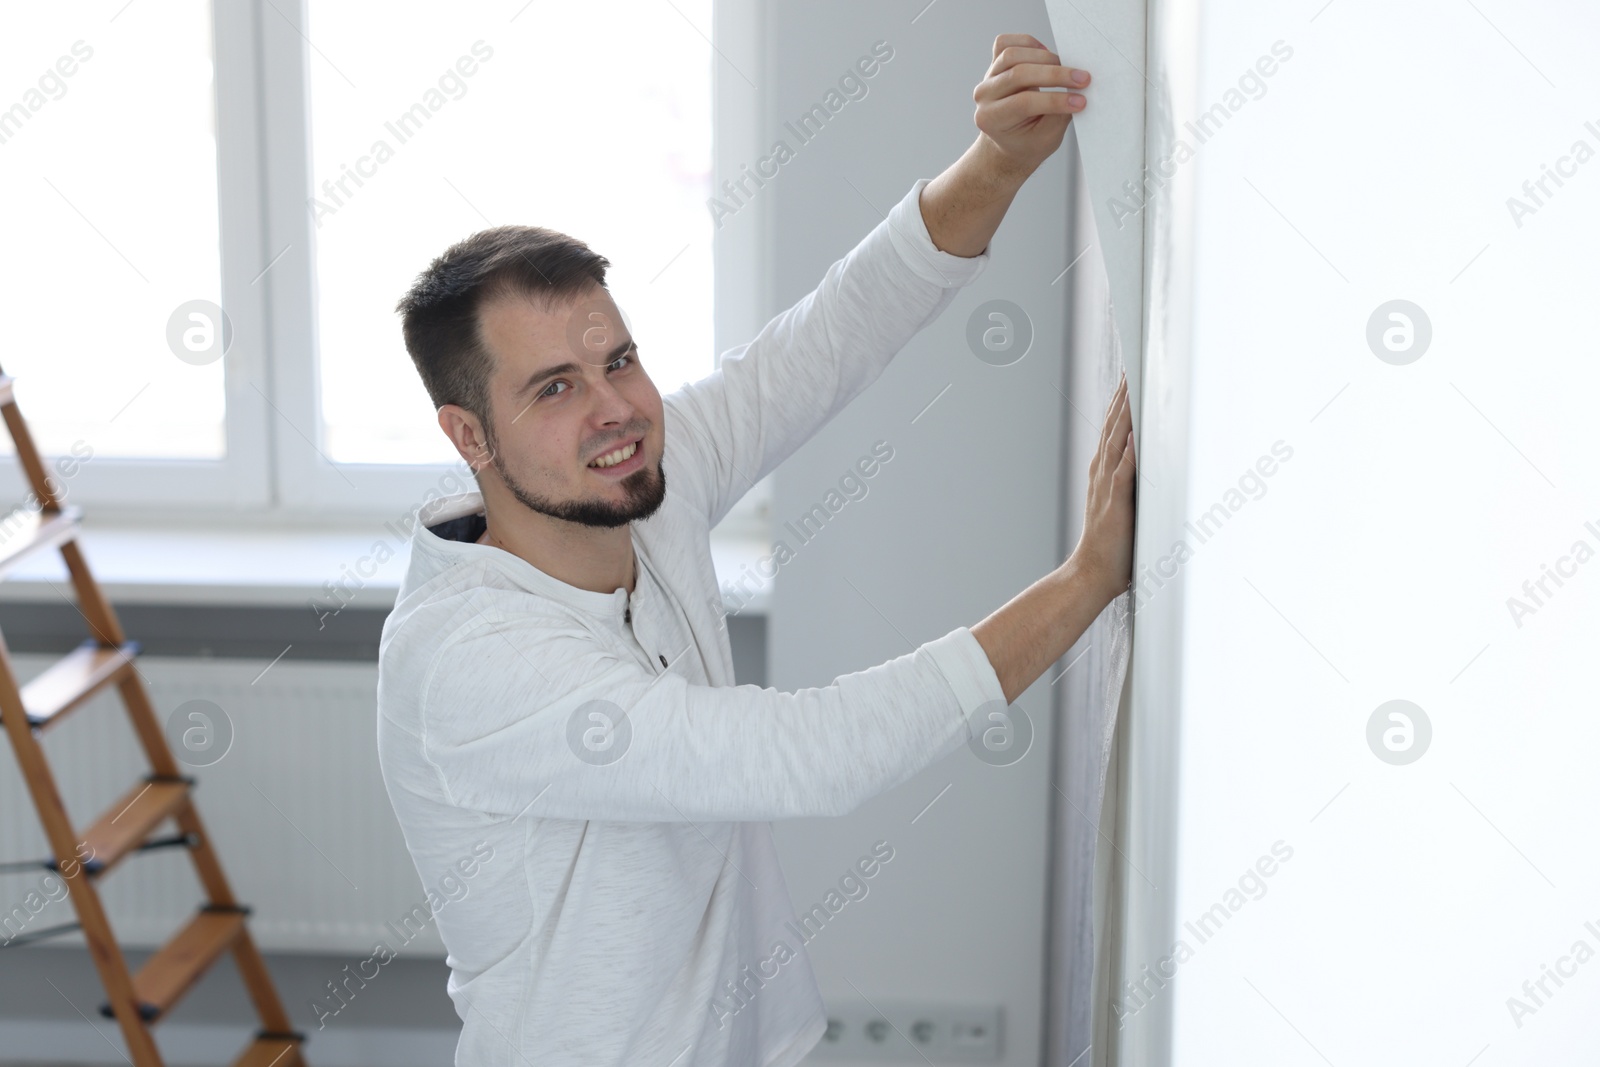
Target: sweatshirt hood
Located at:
point(444, 539)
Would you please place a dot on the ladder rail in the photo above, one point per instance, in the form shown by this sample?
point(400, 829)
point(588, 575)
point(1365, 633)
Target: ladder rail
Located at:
point(194, 948)
point(27, 453)
point(104, 950)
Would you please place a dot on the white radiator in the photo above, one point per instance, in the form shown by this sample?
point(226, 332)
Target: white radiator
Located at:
point(296, 810)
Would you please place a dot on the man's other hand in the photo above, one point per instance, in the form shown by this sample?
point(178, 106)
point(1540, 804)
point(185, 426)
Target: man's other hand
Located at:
point(1105, 548)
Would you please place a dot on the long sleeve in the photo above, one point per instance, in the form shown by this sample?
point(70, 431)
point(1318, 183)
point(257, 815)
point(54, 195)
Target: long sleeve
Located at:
point(770, 395)
point(506, 736)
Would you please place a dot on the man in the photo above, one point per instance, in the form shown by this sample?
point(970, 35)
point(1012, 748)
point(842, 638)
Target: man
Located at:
point(556, 694)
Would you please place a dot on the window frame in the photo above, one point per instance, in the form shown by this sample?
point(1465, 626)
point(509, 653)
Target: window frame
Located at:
point(275, 470)
point(240, 482)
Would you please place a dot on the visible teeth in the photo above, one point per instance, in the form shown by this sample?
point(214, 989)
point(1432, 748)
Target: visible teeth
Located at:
point(612, 459)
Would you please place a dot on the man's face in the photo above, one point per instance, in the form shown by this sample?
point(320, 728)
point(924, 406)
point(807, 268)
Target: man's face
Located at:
point(568, 388)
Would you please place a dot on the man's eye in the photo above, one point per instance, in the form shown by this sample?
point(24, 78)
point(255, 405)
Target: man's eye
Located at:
point(628, 356)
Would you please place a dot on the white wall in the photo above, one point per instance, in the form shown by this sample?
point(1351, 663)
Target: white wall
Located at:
point(1377, 562)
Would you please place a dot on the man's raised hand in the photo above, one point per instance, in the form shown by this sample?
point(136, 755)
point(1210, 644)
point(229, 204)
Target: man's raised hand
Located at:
point(1023, 123)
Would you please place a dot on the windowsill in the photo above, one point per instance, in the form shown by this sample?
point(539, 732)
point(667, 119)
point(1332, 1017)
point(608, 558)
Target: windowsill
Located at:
point(286, 567)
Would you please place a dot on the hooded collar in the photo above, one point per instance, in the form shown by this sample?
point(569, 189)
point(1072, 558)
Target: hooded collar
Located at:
point(446, 534)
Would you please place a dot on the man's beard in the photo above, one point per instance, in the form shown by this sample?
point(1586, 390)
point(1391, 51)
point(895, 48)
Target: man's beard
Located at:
point(646, 488)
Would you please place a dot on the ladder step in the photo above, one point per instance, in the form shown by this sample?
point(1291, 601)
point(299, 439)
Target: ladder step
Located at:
point(75, 678)
point(130, 820)
point(157, 812)
point(271, 1051)
point(22, 532)
point(179, 963)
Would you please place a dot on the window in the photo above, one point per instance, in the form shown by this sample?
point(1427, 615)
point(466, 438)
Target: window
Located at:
point(298, 162)
point(110, 250)
point(493, 121)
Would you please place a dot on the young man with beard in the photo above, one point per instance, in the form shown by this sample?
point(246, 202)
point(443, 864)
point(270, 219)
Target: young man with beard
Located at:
point(556, 677)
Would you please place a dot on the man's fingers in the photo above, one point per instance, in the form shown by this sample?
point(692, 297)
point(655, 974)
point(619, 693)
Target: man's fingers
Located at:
point(1124, 425)
point(1117, 431)
point(1127, 466)
point(1023, 76)
point(1012, 56)
point(1111, 415)
point(1107, 455)
point(1021, 106)
point(1015, 40)
point(1042, 57)
point(1107, 422)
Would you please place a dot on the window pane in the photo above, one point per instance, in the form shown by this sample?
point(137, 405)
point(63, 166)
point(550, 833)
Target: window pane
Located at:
point(108, 135)
point(561, 122)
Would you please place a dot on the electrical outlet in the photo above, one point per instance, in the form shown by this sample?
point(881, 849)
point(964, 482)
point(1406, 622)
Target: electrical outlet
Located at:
point(900, 1030)
point(831, 1037)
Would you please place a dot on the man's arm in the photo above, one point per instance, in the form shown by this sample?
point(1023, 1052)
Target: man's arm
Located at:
point(1020, 126)
point(730, 429)
point(769, 397)
point(1037, 626)
point(589, 734)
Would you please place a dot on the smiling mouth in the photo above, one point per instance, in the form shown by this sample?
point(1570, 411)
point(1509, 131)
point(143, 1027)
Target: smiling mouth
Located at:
point(617, 456)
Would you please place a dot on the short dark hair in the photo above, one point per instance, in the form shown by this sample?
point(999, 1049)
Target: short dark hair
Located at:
point(439, 313)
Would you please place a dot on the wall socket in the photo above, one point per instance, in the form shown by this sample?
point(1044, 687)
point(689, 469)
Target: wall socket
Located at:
point(897, 1030)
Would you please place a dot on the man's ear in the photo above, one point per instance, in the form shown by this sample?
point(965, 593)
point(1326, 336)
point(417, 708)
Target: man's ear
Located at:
point(465, 431)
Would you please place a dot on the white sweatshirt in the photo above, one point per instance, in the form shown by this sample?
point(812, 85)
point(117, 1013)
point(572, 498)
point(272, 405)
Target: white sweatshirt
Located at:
point(632, 910)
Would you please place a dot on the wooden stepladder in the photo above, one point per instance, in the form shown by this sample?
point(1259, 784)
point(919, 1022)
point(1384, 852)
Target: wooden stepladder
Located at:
point(83, 857)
